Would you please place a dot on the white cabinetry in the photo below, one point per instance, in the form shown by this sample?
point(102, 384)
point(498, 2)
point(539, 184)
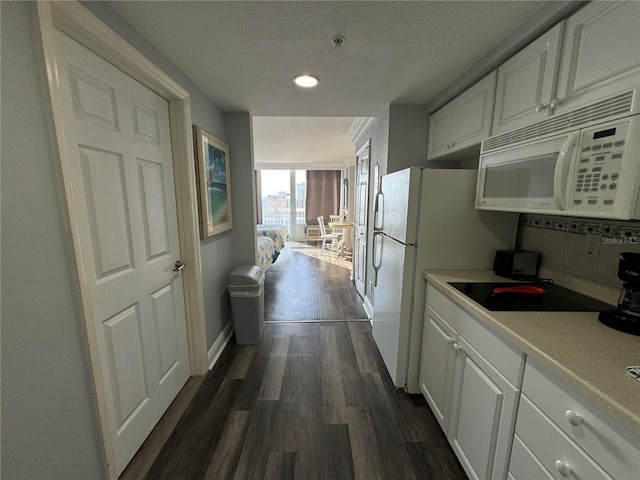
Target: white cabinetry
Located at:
point(470, 378)
point(597, 56)
point(600, 53)
point(463, 122)
point(526, 83)
point(562, 436)
point(437, 363)
point(483, 409)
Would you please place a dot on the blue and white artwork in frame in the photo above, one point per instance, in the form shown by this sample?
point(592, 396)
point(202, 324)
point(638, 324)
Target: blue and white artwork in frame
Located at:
point(212, 168)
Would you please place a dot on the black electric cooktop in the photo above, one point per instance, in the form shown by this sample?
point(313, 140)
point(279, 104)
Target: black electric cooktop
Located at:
point(554, 299)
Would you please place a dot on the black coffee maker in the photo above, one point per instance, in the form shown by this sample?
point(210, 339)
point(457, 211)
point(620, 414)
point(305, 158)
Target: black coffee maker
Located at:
point(626, 317)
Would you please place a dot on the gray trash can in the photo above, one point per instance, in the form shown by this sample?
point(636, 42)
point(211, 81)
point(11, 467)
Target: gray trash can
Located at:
point(247, 303)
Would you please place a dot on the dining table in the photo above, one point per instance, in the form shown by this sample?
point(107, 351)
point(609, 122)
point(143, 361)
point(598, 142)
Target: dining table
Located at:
point(345, 243)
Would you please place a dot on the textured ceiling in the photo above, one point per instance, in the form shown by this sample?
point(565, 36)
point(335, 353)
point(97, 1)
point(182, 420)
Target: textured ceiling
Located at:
point(244, 54)
point(302, 142)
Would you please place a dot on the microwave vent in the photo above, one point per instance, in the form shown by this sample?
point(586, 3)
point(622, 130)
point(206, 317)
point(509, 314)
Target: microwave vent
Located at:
point(611, 107)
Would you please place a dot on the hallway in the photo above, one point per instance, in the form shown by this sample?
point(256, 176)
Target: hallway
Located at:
point(303, 285)
point(312, 400)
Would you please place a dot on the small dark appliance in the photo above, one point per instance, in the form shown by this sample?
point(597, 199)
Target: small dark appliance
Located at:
point(626, 317)
point(517, 264)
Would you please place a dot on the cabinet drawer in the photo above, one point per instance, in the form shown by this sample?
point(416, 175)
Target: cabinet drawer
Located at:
point(505, 358)
point(524, 465)
point(550, 445)
point(596, 436)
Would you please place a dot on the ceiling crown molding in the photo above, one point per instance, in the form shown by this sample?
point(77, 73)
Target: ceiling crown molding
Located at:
point(359, 126)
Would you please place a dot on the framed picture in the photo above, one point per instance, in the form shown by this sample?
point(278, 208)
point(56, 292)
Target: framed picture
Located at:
point(214, 187)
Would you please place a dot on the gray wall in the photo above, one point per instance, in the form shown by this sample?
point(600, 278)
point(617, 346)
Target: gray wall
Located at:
point(408, 134)
point(49, 424)
point(243, 177)
point(49, 418)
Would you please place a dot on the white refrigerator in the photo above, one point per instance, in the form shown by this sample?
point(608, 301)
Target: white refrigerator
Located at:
point(425, 220)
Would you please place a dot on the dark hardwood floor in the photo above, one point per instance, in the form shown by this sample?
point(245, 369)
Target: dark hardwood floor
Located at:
point(300, 287)
point(311, 401)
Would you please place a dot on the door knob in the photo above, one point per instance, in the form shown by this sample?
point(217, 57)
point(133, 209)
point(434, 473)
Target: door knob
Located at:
point(573, 418)
point(178, 266)
point(555, 103)
point(564, 469)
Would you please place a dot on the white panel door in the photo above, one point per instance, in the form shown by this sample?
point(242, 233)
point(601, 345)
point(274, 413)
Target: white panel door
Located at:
point(483, 415)
point(526, 83)
point(361, 217)
point(119, 149)
point(601, 53)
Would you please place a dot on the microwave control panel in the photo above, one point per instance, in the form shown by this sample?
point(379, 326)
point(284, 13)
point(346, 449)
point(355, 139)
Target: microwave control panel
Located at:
point(599, 171)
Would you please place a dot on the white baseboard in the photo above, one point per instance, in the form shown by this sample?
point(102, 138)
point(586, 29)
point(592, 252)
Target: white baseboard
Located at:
point(218, 346)
point(368, 308)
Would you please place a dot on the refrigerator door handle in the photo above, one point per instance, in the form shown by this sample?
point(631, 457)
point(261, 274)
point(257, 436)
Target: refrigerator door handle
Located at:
point(377, 255)
point(378, 211)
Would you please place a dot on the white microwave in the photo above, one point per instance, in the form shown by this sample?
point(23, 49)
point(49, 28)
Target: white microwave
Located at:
point(589, 172)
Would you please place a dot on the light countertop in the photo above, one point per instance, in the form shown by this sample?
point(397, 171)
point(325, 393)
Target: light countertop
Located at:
point(586, 355)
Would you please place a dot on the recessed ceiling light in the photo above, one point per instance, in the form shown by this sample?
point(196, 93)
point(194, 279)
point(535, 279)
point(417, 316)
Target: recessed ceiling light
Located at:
point(306, 81)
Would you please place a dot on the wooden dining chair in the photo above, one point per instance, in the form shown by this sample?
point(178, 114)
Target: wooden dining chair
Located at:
point(329, 240)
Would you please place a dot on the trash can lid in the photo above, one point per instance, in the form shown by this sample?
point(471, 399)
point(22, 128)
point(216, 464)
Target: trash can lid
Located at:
point(246, 275)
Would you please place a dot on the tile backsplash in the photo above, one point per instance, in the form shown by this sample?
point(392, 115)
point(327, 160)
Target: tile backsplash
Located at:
point(562, 242)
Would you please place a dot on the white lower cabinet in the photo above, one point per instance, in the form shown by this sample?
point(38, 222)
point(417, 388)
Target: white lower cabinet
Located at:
point(437, 364)
point(568, 437)
point(551, 447)
point(482, 414)
point(524, 465)
point(470, 378)
point(510, 419)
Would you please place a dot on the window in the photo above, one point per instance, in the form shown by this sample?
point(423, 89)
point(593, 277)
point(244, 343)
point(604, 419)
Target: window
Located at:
point(284, 199)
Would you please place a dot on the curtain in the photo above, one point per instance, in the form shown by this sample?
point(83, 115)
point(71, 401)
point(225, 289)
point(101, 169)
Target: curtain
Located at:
point(323, 194)
point(258, 197)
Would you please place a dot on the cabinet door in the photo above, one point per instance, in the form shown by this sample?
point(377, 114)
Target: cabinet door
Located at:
point(436, 369)
point(474, 112)
point(441, 131)
point(526, 83)
point(601, 53)
point(482, 415)
point(524, 464)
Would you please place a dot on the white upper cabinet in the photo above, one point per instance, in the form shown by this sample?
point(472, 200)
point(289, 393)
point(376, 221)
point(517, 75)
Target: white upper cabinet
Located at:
point(463, 122)
point(526, 83)
point(600, 53)
point(592, 55)
point(440, 135)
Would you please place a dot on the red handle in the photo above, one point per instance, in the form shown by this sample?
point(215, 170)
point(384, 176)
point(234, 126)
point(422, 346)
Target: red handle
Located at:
point(527, 289)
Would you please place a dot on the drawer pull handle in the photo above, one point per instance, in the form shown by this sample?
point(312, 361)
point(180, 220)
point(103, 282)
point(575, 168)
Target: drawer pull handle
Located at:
point(564, 469)
point(573, 418)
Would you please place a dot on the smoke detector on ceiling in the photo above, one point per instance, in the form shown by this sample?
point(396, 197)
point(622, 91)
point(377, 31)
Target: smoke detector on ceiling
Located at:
point(337, 41)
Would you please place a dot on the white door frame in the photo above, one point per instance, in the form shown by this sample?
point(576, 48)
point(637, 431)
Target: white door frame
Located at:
point(357, 209)
point(76, 21)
